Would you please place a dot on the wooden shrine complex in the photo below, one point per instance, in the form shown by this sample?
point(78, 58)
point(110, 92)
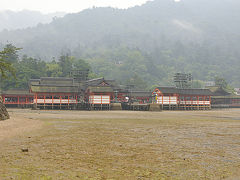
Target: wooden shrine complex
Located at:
point(102, 94)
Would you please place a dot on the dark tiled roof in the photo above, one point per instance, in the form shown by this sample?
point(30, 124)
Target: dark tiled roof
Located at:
point(61, 84)
point(52, 81)
point(96, 82)
point(206, 92)
point(17, 92)
point(55, 85)
point(56, 80)
point(227, 97)
point(54, 89)
point(67, 85)
point(218, 91)
point(100, 89)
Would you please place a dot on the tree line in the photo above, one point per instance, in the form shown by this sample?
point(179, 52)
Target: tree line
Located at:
point(17, 71)
point(130, 66)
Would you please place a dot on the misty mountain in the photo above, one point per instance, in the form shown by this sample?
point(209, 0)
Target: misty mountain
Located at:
point(151, 41)
point(11, 20)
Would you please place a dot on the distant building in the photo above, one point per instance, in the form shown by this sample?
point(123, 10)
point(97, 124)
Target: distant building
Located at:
point(185, 99)
point(224, 99)
point(67, 93)
point(17, 98)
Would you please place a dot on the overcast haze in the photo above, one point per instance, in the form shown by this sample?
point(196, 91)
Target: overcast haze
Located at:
point(47, 6)
point(143, 46)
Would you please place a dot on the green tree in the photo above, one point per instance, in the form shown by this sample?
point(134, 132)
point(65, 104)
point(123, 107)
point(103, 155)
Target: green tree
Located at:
point(11, 55)
point(80, 64)
point(69, 63)
point(221, 82)
point(26, 68)
point(53, 69)
point(65, 63)
point(7, 56)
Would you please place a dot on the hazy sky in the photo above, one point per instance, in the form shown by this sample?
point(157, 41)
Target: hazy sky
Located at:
point(47, 6)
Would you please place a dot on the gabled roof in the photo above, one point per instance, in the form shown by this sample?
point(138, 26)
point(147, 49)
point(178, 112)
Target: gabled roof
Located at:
point(218, 91)
point(54, 85)
point(67, 85)
point(94, 82)
point(101, 82)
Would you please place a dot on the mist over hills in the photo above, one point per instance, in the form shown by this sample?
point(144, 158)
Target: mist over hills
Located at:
point(148, 43)
point(11, 20)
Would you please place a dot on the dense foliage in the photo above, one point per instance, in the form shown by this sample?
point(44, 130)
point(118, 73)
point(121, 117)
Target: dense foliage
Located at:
point(27, 68)
point(145, 45)
point(8, 54)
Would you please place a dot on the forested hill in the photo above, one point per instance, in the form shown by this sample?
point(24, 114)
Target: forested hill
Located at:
point(145, 43)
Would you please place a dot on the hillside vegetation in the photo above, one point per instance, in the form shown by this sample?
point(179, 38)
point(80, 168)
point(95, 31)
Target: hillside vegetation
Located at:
point(144, 44)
